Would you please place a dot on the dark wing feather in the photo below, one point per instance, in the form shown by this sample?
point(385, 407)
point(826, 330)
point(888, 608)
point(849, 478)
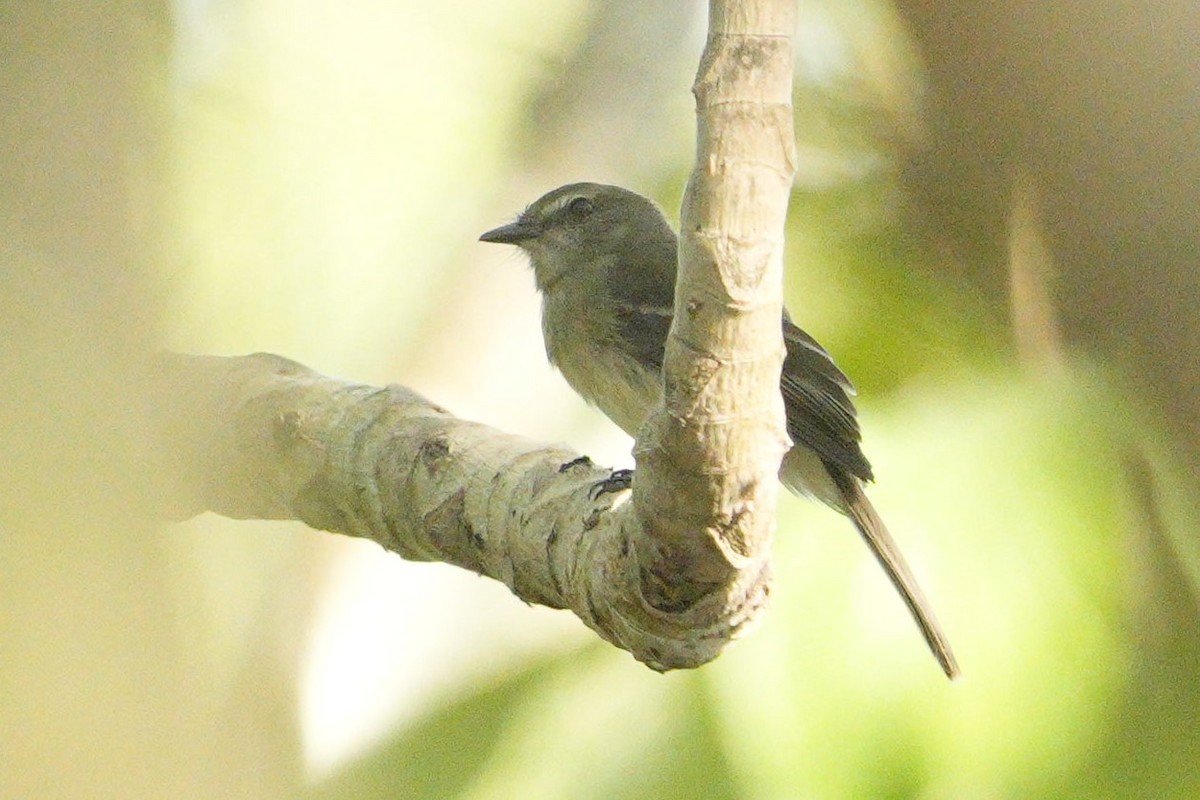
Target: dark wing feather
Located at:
point(642, 332)
point(820, 413)
point(816, 394)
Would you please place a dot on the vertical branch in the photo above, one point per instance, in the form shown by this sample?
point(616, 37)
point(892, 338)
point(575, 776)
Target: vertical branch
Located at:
point(706, 485)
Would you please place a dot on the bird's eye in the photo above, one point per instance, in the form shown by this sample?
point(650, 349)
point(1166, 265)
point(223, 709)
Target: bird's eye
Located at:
point(579, 207)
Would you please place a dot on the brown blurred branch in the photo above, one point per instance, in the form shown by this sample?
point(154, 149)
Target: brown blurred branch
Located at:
point(1031, 274)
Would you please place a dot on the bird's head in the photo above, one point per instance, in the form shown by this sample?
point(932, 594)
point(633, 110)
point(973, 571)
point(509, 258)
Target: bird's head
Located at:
point(590, 233)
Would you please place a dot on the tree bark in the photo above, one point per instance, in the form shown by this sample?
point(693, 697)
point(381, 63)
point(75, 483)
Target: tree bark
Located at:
point(708, 459)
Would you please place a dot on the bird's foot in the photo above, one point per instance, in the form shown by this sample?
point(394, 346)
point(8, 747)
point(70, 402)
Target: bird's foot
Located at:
point(618, 481)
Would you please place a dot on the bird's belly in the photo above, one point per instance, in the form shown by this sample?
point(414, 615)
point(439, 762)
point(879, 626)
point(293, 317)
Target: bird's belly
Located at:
point(612, 381)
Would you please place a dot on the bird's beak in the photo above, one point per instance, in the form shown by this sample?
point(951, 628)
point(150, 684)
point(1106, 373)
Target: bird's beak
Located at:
point(513, 233)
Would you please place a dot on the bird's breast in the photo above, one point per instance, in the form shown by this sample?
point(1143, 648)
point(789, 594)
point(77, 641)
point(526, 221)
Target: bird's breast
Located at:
point(600, 372)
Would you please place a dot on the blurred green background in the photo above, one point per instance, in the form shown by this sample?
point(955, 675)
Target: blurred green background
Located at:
point(993, 229)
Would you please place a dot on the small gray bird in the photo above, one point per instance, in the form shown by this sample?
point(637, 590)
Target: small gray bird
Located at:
point(604, 259)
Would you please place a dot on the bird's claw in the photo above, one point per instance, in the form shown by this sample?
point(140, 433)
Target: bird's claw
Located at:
point(618, 481)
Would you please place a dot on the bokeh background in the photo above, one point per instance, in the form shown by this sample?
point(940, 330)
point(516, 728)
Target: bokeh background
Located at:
point(994, 229)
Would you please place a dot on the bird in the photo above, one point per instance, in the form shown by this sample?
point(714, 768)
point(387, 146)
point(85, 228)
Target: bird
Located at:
point(604, 261)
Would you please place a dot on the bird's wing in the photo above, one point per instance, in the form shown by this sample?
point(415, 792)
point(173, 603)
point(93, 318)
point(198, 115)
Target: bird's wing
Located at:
point(816, 394)
point(642, 332)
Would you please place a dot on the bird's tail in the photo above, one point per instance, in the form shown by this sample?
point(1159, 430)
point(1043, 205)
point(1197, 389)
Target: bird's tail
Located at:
point(876, 535)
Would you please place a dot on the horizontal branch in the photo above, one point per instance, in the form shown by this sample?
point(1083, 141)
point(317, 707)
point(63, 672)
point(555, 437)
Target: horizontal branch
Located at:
point(263, 437)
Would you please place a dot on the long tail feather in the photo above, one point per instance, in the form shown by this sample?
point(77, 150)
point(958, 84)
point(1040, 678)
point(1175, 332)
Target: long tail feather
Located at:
point(886, 551)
